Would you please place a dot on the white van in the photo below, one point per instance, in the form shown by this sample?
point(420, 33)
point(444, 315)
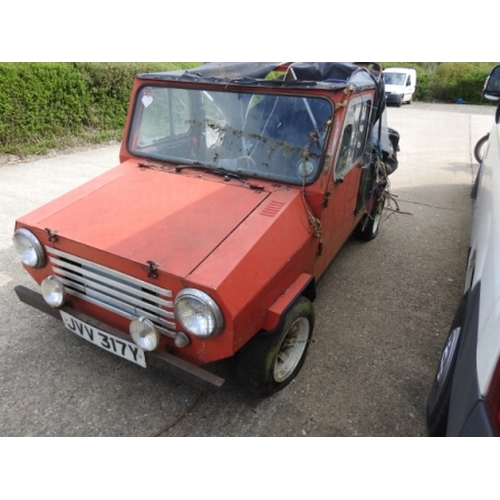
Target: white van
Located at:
point(400, 85)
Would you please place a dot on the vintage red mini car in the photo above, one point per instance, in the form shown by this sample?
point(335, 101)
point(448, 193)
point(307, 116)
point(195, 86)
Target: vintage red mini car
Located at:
point(238, 183)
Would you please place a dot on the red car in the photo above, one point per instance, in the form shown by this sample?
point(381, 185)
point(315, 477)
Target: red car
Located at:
point(238, 183)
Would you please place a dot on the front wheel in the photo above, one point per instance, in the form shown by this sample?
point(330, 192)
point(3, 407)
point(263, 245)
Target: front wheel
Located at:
point(438, 402)
point(270, 361)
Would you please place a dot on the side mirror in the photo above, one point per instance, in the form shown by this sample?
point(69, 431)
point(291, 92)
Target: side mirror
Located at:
point(491, 90)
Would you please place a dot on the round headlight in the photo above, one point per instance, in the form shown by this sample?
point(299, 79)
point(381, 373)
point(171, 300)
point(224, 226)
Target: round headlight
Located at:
point(144, 334)
point(198, 314)
point(53, 291)
point(29, 248)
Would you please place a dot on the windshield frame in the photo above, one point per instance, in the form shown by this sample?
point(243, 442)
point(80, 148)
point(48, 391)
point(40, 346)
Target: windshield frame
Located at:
point(303, 162)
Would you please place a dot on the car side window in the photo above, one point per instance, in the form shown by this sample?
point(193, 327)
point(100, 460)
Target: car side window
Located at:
point(352, 144)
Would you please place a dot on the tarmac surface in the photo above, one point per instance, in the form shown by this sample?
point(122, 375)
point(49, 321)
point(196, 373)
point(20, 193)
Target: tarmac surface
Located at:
point(382, 314)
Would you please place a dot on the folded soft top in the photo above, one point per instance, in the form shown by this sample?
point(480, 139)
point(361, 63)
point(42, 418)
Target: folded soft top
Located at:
point(333, 74)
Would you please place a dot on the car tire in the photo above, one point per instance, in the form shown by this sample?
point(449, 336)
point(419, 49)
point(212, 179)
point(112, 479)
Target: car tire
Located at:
point(438, 402)
point(271, 360)
point(480, 148)
point(368, 227)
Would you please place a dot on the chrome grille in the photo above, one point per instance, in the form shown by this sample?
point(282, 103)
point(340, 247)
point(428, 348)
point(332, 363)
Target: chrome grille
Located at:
point(114, 291)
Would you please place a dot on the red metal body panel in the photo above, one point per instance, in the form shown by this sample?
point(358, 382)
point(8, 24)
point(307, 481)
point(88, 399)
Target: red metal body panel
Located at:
point(153, 215)
point(259, 260)
point(338, 219)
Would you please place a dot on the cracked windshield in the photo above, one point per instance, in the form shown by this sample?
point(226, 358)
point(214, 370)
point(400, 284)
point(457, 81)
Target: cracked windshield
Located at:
point(273, 137)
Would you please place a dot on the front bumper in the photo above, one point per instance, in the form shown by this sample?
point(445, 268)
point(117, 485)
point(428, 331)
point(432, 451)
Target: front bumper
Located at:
point(178, 368)
point(393, 98)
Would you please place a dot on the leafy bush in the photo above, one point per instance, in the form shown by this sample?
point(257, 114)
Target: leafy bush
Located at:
point(40, 102)
point(449, 81)
point(459, 80)
point(47, 105)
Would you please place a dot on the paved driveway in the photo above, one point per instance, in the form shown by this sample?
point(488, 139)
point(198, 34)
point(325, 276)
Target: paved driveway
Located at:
point(383, 311)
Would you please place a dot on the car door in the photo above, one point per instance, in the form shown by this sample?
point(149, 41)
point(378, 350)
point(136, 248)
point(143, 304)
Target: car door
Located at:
point(338, 217)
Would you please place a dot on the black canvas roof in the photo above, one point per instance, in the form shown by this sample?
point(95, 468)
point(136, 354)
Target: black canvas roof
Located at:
point(330, 74)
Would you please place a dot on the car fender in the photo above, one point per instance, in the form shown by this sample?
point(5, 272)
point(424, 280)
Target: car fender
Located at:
point(467, 413)
point(303, 285)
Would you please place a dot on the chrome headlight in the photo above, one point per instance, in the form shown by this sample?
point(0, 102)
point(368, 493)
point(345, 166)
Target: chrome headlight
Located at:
point(53, 291)
point(144, 334)
point(29, 249)
point(198, 314)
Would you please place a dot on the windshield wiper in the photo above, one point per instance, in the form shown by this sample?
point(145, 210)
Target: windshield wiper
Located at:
point(227, 174)
point(215, 170)
point(211, 170)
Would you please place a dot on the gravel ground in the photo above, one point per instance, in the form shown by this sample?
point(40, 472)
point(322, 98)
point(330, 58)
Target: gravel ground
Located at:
point(456, 108)
point(9, 159)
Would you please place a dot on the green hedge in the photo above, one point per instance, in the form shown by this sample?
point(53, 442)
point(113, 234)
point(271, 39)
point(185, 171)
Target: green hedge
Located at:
point(449, 81)
point(48, 105)
point(452, 81)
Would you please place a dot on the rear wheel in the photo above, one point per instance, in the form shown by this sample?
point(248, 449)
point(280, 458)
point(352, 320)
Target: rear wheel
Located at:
point(270, 361)
point(368, 226)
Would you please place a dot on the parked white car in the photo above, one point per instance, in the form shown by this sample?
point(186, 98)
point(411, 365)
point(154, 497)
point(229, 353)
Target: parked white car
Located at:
point(465, 395)
point(400, 85)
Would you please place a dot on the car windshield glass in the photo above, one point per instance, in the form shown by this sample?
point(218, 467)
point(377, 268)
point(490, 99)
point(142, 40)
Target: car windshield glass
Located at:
point(273, 137)
point(394, 78)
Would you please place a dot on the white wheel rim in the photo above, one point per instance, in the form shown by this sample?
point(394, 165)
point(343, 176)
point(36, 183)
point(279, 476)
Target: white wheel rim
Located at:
point(291, 350)
point(376, 222)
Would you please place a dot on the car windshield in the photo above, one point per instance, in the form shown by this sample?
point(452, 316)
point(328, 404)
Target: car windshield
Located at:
point(394, 78)
point(274, 137)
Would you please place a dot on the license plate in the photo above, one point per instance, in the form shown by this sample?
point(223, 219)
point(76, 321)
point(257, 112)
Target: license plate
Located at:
point(104, 340)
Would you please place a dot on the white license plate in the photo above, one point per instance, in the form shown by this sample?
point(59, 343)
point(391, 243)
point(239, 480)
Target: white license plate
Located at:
point(104, 340)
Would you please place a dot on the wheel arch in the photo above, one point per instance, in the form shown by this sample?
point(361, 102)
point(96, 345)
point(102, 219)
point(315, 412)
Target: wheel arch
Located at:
point(438, 401)
point(271, 360)
point(465, 391)
point(304, 285)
